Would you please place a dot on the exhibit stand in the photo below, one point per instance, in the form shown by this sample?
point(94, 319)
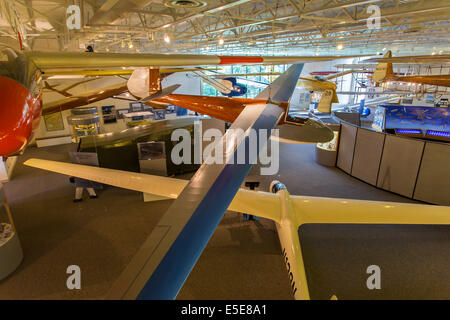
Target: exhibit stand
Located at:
point(11, 254)
point(6, 168)
point(85, 122)
point(326, 153)
point(414, 168)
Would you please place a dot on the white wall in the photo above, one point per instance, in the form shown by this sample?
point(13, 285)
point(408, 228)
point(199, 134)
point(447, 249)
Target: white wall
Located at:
point(189, 85)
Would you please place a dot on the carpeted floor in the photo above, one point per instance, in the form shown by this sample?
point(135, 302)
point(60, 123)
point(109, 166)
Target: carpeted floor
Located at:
point(242, 260)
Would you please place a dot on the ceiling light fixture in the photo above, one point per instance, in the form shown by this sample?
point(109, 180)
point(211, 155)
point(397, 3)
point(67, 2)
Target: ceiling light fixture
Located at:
point(340, 46)
point(185, 4)
point(221, 41)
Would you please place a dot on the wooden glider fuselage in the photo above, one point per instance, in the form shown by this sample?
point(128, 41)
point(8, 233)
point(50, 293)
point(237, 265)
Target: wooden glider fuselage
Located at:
point(223, 108)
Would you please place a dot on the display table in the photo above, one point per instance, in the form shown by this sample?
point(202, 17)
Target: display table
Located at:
point(11, 254)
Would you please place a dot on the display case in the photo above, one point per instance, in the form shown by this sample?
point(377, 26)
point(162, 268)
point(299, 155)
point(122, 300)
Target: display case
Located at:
point(84, 122)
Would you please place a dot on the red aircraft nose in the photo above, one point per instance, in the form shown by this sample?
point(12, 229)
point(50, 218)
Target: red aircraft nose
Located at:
point(16, 116)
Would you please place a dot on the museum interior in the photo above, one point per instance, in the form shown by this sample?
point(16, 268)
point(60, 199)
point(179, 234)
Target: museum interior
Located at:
point(224, 149)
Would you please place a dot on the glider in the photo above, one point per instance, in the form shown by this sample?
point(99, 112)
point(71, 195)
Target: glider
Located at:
point(162, 264)
point(288, 212)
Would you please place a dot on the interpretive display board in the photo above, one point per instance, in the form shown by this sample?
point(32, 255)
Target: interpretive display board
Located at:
point(54, 122)
point(109, 114)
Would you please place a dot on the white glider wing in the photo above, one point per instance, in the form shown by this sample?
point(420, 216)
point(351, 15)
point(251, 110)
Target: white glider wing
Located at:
point(263, 204)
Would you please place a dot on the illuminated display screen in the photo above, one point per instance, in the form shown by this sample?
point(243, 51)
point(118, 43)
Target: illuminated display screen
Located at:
point(424, 118)
point(408, 131)
point(443, 134)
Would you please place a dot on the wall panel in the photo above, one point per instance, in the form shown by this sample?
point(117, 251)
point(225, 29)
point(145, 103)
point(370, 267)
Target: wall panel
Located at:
point(400, 165)
point(367, 157)
point(346, 147)
point(433, 182)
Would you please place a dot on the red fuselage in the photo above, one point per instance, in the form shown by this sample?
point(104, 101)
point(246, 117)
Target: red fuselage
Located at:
point(19, 116)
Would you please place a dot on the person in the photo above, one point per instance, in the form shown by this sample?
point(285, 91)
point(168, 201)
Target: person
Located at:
point(80, 185)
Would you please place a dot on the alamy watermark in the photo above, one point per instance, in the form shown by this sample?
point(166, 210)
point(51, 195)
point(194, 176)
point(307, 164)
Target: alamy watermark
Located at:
point(73, 20)
point(374, 280)
point(74, 280)
point(235, 147)
point(374, 20)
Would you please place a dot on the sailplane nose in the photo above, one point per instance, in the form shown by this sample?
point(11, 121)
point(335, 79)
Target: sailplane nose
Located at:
point(15, 117)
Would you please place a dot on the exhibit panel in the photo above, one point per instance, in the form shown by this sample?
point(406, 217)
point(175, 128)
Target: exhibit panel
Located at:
point(400, 165)
point(368, 151)
point(346, 147)
point(433, 182)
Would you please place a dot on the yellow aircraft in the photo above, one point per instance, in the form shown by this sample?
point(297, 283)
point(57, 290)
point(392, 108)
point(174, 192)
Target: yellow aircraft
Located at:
point(324, 85)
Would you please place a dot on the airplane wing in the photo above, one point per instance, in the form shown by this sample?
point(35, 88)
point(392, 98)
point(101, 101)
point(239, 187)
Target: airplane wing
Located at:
point(435, 80)
point(217, 84)
point(161, 266)
point(345, 211)
point(432, 59)
point(304, 210)
point(96, 60)
point(261, 204)
point(337, 75)
point(299, 210)
point(106, 73)
point(171, 251)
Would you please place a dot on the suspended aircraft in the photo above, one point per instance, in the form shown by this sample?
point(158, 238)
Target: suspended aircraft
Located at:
point(162, 264)
point(384, 70)
point(323, 84)
point(231, 85)
point(21, 81)
point(176, 243)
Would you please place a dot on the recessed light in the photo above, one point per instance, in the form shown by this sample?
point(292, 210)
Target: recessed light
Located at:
point(184, 4)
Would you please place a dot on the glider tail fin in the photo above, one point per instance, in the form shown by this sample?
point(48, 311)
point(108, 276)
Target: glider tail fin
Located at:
point(384, 70)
